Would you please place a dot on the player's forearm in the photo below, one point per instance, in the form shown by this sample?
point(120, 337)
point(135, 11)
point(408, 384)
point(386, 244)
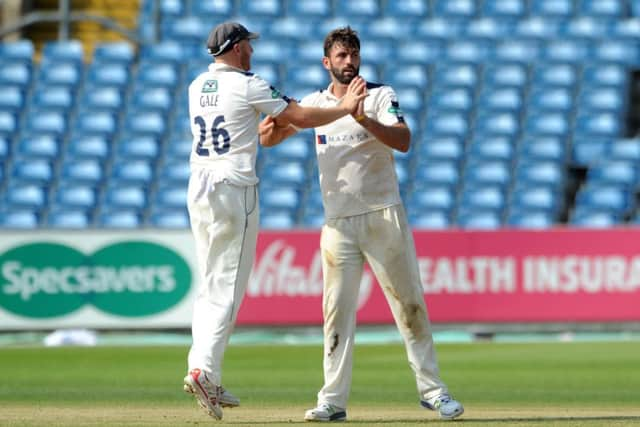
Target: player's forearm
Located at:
point(397, 137)
point(311, 117)
point(276, 136)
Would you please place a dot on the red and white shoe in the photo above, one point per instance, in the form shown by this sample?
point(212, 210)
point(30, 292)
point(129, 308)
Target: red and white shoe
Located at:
point(227, 399)
point(206, 393)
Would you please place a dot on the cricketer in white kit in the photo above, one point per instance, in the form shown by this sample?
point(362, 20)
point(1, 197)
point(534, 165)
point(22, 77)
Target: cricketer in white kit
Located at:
point(225, 104)
point(365, 221)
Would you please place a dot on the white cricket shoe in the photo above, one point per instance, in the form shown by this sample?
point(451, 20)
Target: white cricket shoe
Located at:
point(448, 407)
point(206, 393)
point(326, 412)
point(227, 399)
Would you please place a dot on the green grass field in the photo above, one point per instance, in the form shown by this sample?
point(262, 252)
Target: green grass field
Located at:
point(538, 384)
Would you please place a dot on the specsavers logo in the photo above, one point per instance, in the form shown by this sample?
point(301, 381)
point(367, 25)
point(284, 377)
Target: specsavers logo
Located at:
point(130, 279)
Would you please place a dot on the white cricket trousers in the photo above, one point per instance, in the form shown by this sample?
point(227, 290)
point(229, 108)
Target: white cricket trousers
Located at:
point(224, 221)
point(382, 238)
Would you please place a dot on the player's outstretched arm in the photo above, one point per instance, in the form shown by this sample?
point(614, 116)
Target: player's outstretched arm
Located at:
point(272, 134)
point(309, 117)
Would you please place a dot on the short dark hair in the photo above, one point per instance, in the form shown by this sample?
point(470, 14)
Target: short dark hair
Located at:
point(345, 36)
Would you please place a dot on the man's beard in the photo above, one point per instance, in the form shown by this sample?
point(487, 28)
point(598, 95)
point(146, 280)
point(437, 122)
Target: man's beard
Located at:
point(344, 79)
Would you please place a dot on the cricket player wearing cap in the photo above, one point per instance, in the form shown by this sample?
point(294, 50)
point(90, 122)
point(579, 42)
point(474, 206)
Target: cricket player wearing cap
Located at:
point(225, 103)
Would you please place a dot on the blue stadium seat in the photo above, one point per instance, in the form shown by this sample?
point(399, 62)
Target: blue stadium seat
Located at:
point(440, 197)
point(605, 75)
point(292, 28)
point(5, 151)
point(26, 194)
point(430, 220)
point(53, 98)
point(260, 8)
point(89, 147)
point(107, 75)
point(594, 123)
point(46, 121)
point(218, 9)
point(114, 52)
point(437, 148)
point(188, 31)
point(483, 197)
point(60, 73)
point(12, 99)
point(626, 29)
point(271, 50)
point(143, 147)
point(175, 172)
point(607, 198)
point(97, 97)
point(584, 27)
point(159, 99)
point(441, 173)
point(165, 52)
point(479, 220)
point(157, 75)
point(554, 75)
point(310, 8)
point(611, 9)
point(15, 73)
point(500, 98)
point(447, 124)
point(626, 149)
point(308, 51)
point(279, 197)
point(505, 74)
point(307, 74)
point(39, 146)
point(133, 172)
point(171, 197)
point(530, 220)
point(455, 9)
point(452, 98)
point(540, 173)
point(498, 123)
point(439, 28)
point(120, 194)
point(504, 9)
point(487, 172)
point(70, 51)
point(406, 9)
point(280, 220)
point(76, 196)
point(17, 51)
point(527, 197)
point(590, 219)
point(146, 123)
point(587, 150)
point(359, 8)
point(537, 27)
point(283, 173)
point(68, 219)
point(36, 171)
point(170, 219)
point(552, 8)
point(554, 124)
point(120, 219)
point(499, 148)
point(8, 123)
point(464, 50)
point(564, 50)
point(545, 148)
point(517, 51)
point(623, 173)
point(88, 171)
point(19, 219)
point(551, 99)
point(616, 51)
point(179, 148)
point(603, 99)
point(99, 123)
point(447, 74)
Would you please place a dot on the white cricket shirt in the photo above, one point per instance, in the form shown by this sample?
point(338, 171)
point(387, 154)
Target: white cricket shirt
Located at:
point(357, 172)
point(224, 108)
